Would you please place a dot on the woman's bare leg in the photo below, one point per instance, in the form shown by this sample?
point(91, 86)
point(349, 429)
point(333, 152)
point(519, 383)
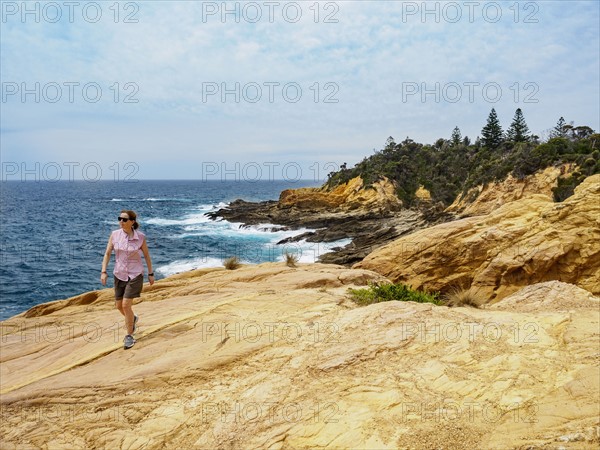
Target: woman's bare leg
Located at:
point(119, 306)
point(128, 313)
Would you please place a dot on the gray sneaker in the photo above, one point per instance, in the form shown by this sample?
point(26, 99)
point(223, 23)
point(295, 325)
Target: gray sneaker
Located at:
point(135, 319)
point(128, 342)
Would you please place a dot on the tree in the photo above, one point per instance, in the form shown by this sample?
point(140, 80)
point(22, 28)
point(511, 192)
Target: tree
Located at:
point(582, 132)
point(491, 134)
point(559, 130)
point(456, 137)
point(441, 144)
point(466, 141)
point(518, 130)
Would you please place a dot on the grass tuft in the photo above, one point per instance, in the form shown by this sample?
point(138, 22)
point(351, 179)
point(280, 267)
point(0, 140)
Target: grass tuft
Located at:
point(291, 259)
point(463, 297)
point(232, 263)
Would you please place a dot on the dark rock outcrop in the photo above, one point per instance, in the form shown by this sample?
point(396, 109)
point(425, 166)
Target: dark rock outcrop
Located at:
point(371, 217)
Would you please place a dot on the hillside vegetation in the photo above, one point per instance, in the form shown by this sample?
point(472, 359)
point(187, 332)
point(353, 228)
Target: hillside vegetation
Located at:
point(450, 167)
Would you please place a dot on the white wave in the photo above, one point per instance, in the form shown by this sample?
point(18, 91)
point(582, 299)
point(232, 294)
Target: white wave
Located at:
point(309, 252)
point(185, 235)
point(190, 219)
point(253, 234)
point(191, 264)
point(152, 199)
point(277, 231)
point(263, 228)
point(169, 199)
point(212, 206)
point(186, 265)
point(202, 226)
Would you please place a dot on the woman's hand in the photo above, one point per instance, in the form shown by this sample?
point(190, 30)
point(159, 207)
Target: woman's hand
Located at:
point(151, 279)
point(103, 278)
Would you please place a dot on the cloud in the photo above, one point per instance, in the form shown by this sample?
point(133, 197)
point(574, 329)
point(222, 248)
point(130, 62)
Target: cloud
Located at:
point(352, 71)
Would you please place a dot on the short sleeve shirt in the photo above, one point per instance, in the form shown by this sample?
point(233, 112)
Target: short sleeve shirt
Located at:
point(128, 254)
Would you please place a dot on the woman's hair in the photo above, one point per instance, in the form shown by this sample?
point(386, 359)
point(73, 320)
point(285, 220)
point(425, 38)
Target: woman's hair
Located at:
point(132, 216)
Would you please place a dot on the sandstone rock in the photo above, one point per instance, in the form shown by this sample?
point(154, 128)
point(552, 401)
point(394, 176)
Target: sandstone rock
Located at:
point(485, 199)
point(547, 296)
point(423, 194)
point(272, 357)
point(350, 195)
point(520, 243)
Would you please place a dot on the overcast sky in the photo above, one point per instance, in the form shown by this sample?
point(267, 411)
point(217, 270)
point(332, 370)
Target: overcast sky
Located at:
point(259, 90)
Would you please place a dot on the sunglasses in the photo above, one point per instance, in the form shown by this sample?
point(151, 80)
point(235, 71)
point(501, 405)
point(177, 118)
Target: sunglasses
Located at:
point(123, 219)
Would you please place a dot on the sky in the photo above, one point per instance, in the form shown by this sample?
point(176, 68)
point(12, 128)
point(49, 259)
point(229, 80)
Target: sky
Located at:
point(275, 89)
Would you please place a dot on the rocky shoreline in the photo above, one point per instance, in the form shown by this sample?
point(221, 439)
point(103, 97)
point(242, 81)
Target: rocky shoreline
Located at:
point(370, 225)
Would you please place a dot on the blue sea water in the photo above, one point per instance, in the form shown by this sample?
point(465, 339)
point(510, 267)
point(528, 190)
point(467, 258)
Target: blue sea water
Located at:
point(54, 234)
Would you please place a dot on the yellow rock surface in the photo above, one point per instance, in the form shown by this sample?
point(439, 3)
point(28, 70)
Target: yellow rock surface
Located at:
point(520, 243)
point(496, 194)
point(272, 357)
point(350, 195)
point(423, 194)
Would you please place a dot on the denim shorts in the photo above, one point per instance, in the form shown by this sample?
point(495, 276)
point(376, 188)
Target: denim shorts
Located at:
point(132, 288)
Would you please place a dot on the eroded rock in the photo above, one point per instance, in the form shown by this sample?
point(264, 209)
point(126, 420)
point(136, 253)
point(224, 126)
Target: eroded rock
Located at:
point(520, 243)
point(273, 357)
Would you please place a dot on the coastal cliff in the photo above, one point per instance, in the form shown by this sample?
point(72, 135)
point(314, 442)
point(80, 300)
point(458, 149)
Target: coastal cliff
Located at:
point(348, 196)
point(270, 356)
point(522, 242)
point(484, 199)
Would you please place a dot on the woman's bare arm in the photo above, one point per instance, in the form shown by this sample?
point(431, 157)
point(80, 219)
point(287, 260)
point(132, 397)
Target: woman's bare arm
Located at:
point(105, 260)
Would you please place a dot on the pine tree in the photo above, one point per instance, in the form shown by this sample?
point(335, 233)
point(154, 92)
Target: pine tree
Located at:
point(518, 130)
point(559, 130)
point(456, 137)
point(491, 134)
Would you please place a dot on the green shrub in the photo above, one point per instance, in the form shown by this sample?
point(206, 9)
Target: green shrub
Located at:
point(377, 292)
point(566, 186)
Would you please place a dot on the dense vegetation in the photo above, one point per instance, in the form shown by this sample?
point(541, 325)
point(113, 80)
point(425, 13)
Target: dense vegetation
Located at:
point(386, 292)
point(453, 166)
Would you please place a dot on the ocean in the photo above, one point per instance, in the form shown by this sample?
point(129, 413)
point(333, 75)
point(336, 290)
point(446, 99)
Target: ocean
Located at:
point(54, 234)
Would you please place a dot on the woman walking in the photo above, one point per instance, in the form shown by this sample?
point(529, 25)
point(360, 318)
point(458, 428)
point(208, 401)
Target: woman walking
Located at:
point(128, 244)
